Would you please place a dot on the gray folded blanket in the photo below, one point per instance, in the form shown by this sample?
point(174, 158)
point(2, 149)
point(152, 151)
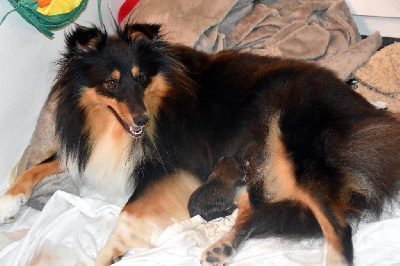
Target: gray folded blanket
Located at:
point(42, 145)
point(315, 30)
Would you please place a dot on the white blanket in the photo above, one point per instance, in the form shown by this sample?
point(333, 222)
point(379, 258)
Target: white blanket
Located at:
point(71, 230)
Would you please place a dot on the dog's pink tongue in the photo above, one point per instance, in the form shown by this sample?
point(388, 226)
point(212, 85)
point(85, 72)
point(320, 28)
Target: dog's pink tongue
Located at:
point(135, 130)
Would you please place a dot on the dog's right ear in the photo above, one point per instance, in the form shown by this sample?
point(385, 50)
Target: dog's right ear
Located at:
point(139, 31)
point(85, 39)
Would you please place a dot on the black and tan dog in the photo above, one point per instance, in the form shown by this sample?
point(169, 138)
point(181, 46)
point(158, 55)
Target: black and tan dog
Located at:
point(314, 153)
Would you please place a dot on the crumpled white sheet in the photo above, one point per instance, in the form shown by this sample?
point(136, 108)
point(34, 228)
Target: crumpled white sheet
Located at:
point(71, 230)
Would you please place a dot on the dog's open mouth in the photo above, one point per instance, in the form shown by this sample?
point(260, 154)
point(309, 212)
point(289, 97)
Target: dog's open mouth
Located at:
point(134, 131)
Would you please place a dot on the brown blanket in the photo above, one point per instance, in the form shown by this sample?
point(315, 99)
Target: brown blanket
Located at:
point(313, 30)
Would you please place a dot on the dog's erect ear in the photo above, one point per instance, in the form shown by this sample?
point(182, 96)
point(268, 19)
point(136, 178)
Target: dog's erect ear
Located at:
point(140, 31)
point(85, 39)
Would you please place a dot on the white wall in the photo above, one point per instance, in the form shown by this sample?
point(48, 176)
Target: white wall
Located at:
point(27, 73)
point(376, 15)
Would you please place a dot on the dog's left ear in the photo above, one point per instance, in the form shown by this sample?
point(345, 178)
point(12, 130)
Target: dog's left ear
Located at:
point(142, 31)
point(85, 39)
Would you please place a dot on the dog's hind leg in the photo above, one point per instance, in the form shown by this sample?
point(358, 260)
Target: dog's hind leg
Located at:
point(160, 205)
point(335, 228)
point(20, 191)
point(318, 193)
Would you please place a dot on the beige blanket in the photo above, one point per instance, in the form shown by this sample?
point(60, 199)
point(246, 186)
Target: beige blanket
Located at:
point(314, 30)
point(379, 79)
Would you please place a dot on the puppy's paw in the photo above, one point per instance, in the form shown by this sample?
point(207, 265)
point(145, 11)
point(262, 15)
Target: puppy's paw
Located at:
point(9, 207)
point(218, 254)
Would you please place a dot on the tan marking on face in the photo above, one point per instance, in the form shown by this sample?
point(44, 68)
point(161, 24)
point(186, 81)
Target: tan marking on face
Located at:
point(99, 117)
point(116, 74)
point(26, 182)
point(135, 71)
point(153, 98)
point(155, 92)
point(281, 184)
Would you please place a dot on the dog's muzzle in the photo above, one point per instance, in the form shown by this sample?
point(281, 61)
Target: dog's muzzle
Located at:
point(135, 131)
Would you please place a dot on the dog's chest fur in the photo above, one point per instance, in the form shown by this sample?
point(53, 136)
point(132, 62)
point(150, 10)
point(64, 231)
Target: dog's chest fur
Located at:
point(113, 156)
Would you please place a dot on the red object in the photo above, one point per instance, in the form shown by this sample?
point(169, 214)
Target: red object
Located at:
point(126, 8)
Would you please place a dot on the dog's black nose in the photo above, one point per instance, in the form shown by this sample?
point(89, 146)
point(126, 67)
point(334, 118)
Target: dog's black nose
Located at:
point(141, 120)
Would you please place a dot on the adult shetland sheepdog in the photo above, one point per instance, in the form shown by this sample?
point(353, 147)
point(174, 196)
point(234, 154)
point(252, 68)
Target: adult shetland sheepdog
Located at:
point(119, 118)
point(314, 153)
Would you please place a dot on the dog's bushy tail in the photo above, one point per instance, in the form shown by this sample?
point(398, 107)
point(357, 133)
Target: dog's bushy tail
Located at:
point(370, 159)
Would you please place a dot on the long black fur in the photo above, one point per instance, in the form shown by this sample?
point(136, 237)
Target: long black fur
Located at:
point(344, 150)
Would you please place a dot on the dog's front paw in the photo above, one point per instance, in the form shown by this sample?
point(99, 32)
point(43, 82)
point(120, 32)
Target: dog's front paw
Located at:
point(217, 254)
point(108, 256)
point(9, 207)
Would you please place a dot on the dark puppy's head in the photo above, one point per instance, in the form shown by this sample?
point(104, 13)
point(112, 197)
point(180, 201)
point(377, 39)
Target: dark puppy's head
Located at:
point(123, 76)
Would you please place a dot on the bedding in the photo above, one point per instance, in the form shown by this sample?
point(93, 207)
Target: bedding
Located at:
point(70, 230)
point(63, 228)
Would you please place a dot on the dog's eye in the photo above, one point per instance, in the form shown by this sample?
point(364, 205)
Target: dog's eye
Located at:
point(140, 78)
point(112, 84)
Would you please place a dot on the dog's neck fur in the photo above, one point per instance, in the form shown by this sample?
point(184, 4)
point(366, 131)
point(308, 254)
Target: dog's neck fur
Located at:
point(107, 174)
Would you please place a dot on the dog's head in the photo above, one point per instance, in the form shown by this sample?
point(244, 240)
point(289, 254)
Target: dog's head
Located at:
point(123, 76)
point(117, 88)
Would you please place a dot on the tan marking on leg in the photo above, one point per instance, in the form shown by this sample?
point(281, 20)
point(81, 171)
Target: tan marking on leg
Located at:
point(220, 252)
point(167, 199)
point(334, 257)
point(280, 184)
point(245, 211)
point(26, 182)
point(160, 206)
point(10, 202)
point(329, 232)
